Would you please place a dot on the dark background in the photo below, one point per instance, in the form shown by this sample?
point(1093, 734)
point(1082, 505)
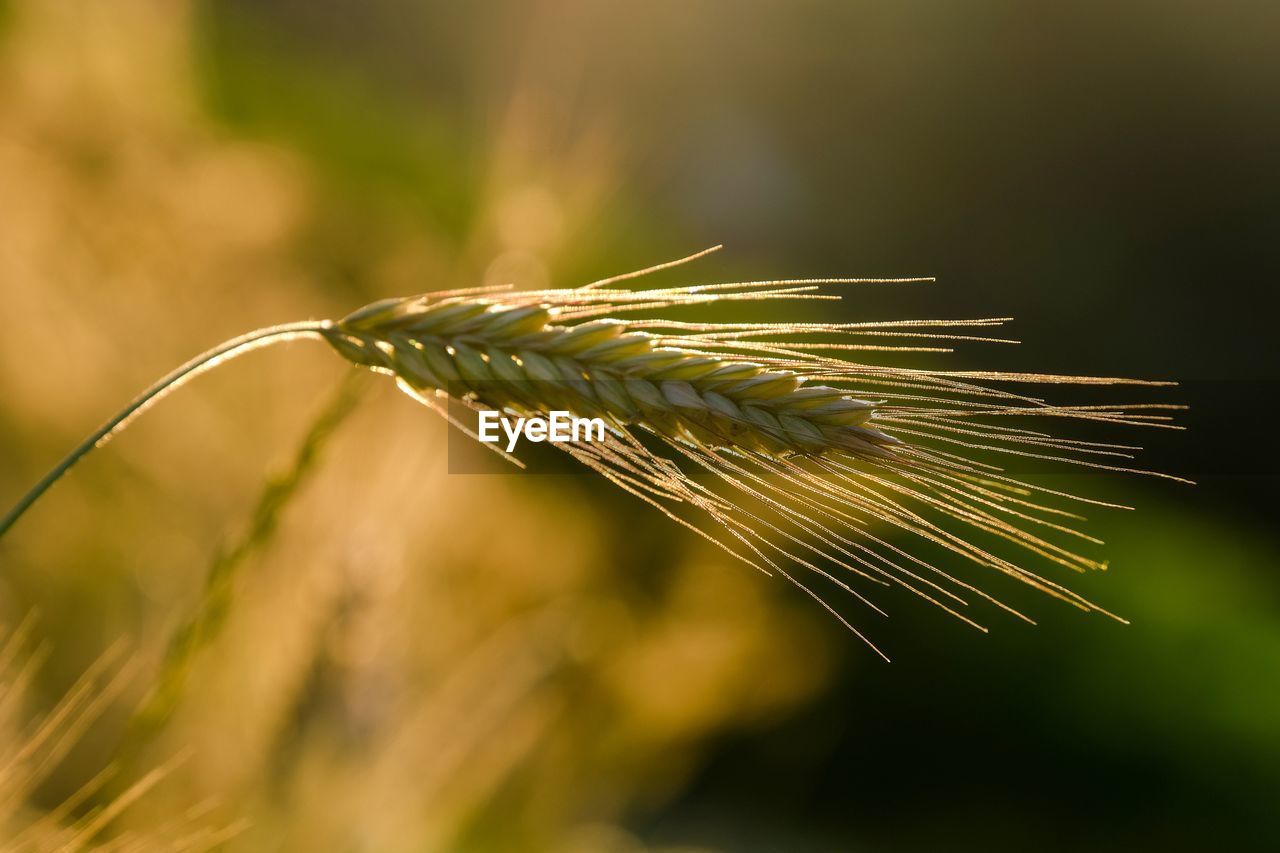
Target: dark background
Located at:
point(1104, 172)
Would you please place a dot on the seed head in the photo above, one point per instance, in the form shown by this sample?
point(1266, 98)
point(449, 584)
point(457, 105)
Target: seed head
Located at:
point(807, 456)
point(810, 454)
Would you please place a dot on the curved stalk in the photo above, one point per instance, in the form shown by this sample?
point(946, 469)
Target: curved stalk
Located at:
point(205, 361)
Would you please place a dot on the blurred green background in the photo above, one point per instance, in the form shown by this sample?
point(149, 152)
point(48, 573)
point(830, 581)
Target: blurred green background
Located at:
point(402, 659)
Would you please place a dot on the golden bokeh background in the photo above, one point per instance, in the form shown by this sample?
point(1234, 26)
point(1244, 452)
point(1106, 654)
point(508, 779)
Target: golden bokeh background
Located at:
point(384, 656)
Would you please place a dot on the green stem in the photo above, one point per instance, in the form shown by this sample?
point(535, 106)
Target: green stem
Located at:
point(214, 605)
point(205, 361)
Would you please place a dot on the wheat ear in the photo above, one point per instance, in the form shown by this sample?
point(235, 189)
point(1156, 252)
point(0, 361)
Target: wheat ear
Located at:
point(804, 454)
point(509, 354)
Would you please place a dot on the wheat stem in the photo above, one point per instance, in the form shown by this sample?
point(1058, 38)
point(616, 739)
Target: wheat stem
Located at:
point(212, 608)
point(205, 361)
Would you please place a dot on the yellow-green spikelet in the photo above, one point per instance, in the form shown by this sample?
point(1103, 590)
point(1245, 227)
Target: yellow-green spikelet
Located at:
point(515, 357)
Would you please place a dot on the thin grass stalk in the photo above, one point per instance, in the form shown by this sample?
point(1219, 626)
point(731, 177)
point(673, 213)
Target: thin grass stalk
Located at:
point(163, 387)
point(212, 608)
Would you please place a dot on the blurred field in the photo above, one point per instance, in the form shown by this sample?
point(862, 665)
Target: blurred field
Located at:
point(400, 659)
